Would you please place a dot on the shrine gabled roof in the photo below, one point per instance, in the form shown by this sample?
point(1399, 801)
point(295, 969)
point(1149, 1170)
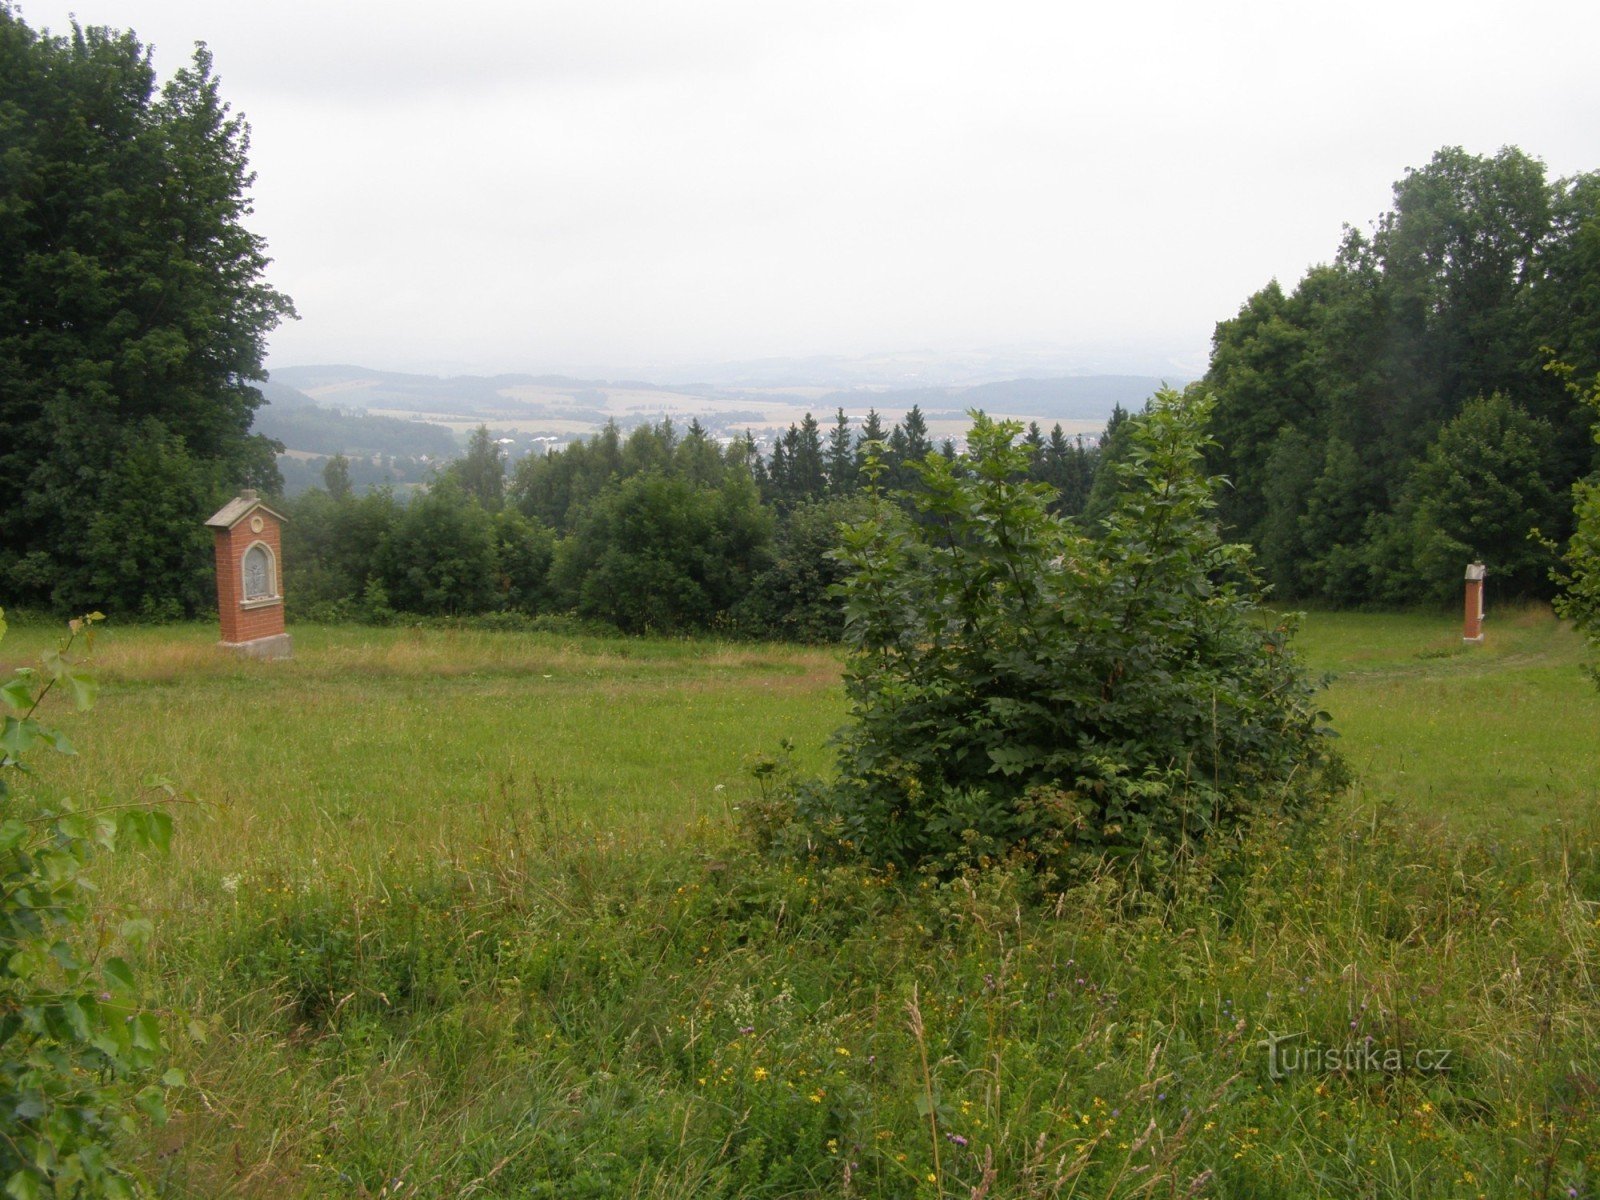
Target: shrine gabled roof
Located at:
point(237, 509)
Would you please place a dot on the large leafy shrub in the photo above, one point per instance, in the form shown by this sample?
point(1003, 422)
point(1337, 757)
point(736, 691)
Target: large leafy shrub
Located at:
point(1019, 689)
point(78, 1057)
point(1579, 601)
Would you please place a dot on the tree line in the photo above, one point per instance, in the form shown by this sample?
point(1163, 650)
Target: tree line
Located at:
point(658, 529)
point(1396, 415)
point(133, 318)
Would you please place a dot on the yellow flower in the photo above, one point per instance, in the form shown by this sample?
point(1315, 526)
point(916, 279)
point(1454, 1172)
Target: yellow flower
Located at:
point(761, 1073)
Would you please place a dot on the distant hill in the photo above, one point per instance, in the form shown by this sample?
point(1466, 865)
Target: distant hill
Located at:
point(1073, 398)
point(568, 406)
point(300, 423)
point(458, 395)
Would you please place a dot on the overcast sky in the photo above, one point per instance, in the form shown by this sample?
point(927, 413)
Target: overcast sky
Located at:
point(499, 185)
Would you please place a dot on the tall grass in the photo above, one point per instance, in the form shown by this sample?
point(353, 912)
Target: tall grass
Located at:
point(470, 914)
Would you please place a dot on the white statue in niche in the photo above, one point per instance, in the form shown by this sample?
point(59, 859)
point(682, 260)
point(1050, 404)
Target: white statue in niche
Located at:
point(258, 573)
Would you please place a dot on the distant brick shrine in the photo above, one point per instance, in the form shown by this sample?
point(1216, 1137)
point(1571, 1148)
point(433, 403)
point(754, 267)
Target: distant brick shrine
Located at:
point(250, 577)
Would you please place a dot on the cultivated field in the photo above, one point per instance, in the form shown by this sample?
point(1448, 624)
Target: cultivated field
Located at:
point(468, 913)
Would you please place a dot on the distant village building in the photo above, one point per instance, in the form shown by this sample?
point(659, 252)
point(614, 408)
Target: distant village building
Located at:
point(250, 577)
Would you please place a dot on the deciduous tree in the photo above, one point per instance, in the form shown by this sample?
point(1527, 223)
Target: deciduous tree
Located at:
point(132, 299)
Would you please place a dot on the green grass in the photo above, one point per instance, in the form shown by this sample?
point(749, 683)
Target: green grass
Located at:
point(1500, 739)
point(376, 742)
point(465, 914)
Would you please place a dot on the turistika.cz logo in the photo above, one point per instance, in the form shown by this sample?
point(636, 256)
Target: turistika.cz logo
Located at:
point(1287, 1055)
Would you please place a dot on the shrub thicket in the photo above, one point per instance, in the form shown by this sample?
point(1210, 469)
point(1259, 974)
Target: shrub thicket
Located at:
point(1580, 598)
point(1018, 688)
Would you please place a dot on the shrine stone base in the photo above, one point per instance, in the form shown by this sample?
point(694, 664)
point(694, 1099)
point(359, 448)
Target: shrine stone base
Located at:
point(276, 646)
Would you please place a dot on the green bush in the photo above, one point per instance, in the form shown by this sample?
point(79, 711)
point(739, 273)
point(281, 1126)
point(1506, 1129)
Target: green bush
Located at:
point(1017, 689)
point(1580, 597)
point(796, 598)
point(78, 1058)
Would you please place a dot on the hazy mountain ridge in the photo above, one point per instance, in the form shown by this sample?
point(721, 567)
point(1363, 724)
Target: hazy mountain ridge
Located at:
point(303, 424)
point(575, 402)
point(1079, 398)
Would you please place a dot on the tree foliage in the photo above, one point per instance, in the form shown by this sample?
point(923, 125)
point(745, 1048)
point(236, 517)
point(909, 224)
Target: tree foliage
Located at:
point(1017, 687)
point(482, 471)
point(1481, 493)
point(657, 553)
point(1338, 403)
point(132, 308)
point(648, 529)
point(1580, 571)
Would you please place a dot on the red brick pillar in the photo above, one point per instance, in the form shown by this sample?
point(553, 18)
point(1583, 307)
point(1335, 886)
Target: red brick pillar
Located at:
point(1472, 626)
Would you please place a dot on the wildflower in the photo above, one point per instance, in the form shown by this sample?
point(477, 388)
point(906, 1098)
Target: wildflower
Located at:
point(761, 1073)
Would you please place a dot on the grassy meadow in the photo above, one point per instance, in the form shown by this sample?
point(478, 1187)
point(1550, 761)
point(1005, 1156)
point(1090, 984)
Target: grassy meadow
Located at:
point(461, 913)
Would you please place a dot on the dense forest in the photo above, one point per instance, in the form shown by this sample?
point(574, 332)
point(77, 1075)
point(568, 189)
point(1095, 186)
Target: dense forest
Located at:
point(1396, 415)
point(657, 529)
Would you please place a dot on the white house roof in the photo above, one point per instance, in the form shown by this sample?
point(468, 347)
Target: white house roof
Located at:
point(237, 509)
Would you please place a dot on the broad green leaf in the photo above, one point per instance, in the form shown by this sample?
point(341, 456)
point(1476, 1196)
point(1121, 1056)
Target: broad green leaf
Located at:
point(153, 1104)
point(65, 956)
point(17, 736)
point(118, 975)
point(82, 686)
point(17, 693)
point(55, 739)
point(160, 830)
point(12, 834)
